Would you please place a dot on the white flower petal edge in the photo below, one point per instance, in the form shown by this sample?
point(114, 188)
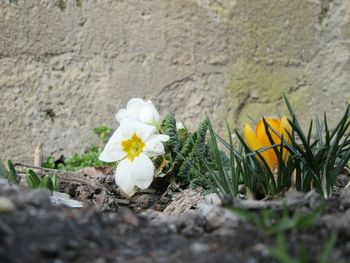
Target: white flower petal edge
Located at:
point(113, 150)
point(138, 172)
point(154, 145)
point(141, 110)
point(179, 125)
point(129, 126)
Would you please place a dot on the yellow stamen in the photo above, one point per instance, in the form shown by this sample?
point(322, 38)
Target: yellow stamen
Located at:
point(133, 147)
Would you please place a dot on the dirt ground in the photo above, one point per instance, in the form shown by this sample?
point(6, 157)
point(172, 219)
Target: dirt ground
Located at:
point(32, 229)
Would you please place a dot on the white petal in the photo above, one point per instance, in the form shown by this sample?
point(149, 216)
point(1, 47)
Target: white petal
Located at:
point(130, 126)
point(154, 146)
point(150, 113)
point(135, 104)
point(144, 170)
point(139, 109)
point(121, 114)
point(138, 172)
point(113, 151)
point(142, 110)
point(124, 178)
point(160, 137)
point(133, 108)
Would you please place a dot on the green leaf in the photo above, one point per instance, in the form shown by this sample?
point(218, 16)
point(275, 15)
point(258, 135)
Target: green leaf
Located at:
point(55, 182)
point(281, 254)
point(168, 127)
point(33, 179)
point(326, 256)
point(13, 176)
point(103, 132)
point(46, 182)
point(188, 161)
point(3, 171)
point(77, 161)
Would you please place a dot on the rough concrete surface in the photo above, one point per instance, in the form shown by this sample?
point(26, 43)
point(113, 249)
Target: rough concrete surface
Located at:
point(66, 66)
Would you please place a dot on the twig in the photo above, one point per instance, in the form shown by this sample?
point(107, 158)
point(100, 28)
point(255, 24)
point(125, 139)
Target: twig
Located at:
point(64, 176)
point(38, 156)
point(278, 204)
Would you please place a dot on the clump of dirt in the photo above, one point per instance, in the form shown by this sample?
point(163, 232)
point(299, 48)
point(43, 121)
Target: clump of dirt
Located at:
point(32, 229)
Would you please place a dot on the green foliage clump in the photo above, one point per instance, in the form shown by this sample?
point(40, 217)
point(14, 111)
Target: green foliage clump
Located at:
point(103, 132)
point(274, 222)
point(49, 181)
point(315, 160)
point(187, 157)
point(182, 153)
point(168, 127)
point(320, 160)
point(277, 224)
point(79, 161)
point(223, 170)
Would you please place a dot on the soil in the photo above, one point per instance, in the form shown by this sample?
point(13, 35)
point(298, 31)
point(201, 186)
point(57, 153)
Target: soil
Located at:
point(32, 229)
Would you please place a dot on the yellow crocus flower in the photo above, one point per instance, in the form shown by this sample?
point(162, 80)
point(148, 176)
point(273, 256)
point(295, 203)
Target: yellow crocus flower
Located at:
point(259, 139)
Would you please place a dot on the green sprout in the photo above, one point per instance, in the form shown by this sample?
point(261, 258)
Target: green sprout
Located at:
point(49, 181)
point(10, 174)
point(277, 224)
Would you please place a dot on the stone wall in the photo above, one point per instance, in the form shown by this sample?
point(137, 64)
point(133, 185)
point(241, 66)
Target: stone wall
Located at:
point(66, 66)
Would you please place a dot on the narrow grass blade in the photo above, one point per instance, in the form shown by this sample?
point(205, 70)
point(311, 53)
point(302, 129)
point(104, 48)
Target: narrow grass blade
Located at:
point(13, 176)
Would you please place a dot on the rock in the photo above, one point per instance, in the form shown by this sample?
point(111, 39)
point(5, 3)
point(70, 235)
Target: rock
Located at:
point(64, 199)
point(38, 198)
point(262, 249)
point(6, 205)
point(189, 224)
point(338, 222)
point(213, 198)
point(217, 217)
point(342, 180)
point(184, 201)
point(199, 248)
point(345, 198)
point(142, 201)
point(128, 217)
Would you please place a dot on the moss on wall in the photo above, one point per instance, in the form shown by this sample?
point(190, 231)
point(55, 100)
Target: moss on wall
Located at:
point(276, 45)
point(62, 4)
point(255, 89)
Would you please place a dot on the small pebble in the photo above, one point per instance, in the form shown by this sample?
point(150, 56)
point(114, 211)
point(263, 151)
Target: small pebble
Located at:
point(129, 217)
point(39, 198)
point(199, 248)
point(213, 199)
point(6, 205)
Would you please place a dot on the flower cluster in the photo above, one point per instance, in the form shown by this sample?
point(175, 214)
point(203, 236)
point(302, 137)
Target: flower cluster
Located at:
point(133, 145)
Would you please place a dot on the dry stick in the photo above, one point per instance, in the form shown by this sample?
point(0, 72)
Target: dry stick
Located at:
point(278, 204)
point(64, 176)
point(38, 156)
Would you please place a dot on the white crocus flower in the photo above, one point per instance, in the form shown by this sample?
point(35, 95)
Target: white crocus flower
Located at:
point(144, 111)
point(133, 143)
